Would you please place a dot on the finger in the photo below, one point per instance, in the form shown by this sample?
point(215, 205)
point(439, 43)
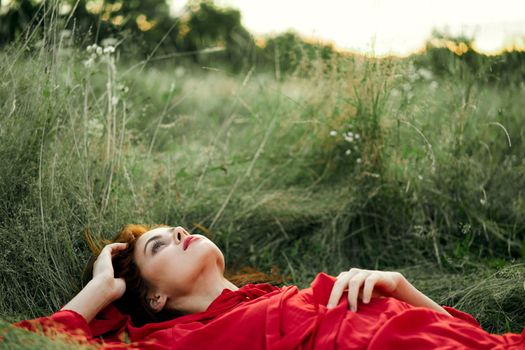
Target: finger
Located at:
point(370, 283)
point(337, 291)
point(104, 259)
point(113, 248)
point(118, 247)
point(349, 274)
point(109, 251)
point(339, 286)
point(354, 285)
point(353, 271)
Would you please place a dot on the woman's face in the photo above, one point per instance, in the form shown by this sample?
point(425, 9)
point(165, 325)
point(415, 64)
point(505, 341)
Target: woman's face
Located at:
point(172, 261)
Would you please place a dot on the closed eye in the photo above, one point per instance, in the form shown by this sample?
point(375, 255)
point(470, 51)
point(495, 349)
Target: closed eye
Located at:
point(156, 246)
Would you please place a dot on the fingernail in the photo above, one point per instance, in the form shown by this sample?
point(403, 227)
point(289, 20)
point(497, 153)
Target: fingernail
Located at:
point(353, 309)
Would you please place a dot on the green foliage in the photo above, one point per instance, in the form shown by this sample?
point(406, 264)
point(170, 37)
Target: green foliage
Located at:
point(288, 53)
point(209, 25)
point(494, 295)
point(456, 56)
point(141, 29)
point(204, 33)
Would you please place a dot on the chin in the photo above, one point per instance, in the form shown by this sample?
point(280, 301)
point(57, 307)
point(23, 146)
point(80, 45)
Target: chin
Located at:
point(209, 253)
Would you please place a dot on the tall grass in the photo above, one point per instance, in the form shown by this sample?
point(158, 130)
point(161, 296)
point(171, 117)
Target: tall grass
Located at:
point(430, 176)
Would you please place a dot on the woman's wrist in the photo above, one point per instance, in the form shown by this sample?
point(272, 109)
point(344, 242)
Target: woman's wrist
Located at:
point(94, 297)
point(107, 287)
point(406, 292)
point(403, 291)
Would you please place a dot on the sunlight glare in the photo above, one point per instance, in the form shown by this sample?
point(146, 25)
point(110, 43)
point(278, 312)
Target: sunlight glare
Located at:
point(384, 26)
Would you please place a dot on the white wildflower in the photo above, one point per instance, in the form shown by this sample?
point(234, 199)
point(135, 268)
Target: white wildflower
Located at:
point(420, 177)
point(99, 50)
point(333, 133)
point(90, 48)
point(114, 100)
point(348, 152)
point(109, 49)
point(356, 136)
point(358, 160)
point(434, 85)
point(349, 137)
point(64, 9)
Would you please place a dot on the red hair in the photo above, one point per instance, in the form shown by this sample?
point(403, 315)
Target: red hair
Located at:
point(133, 302)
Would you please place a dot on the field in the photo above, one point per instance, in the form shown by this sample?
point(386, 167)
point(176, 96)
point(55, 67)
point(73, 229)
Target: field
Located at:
point(373, 163)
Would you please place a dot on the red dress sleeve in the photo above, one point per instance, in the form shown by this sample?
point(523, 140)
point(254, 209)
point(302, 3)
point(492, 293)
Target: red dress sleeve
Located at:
point(64, 321)
point(106, 331)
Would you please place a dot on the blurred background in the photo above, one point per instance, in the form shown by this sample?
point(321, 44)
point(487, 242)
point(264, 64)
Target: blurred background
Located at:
point(216, 31)
point(300, 137)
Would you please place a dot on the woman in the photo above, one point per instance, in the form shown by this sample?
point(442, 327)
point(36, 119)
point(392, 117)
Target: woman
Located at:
point(164, 273)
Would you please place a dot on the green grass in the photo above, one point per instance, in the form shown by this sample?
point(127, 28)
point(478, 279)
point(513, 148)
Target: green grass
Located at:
point(433, 186)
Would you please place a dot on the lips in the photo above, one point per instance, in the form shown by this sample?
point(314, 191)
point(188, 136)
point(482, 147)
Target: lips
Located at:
point(187, 242)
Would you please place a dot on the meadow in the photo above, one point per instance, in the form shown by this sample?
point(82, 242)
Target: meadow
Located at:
point(372, 163)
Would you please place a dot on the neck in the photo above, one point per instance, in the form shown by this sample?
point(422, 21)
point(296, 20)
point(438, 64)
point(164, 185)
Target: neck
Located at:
point(207, 288)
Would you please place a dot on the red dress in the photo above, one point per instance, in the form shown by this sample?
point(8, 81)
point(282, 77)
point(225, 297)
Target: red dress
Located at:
point(262, 316)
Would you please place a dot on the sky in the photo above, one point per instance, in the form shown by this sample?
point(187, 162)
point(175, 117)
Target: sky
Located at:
point(385, 27)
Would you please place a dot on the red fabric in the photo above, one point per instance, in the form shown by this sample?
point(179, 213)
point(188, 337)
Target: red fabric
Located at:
point(262, 316)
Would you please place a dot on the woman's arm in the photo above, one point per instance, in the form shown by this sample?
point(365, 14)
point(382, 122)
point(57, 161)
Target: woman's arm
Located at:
point(387, 283)
point(74, 317)
point(406, 292)
point(90, 300)
point(103, 288)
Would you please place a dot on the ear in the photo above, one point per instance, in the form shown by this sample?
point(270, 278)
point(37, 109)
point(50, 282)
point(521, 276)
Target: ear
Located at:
point(156, 301)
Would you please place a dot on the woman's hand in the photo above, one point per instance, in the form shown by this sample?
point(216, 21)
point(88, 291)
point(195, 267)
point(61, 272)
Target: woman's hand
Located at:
point(103, 270)
point(355, 279)
point(103, 288)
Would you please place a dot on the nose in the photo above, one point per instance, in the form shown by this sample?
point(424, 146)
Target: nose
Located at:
point(179, 233)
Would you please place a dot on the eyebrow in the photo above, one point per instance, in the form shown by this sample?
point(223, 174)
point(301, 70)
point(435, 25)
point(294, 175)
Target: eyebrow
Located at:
point(149, 240)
